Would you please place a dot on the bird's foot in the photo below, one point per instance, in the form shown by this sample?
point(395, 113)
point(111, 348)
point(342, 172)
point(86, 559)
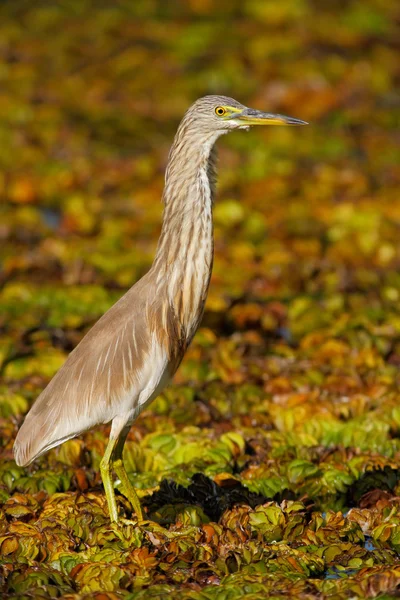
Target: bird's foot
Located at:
point(155, 529)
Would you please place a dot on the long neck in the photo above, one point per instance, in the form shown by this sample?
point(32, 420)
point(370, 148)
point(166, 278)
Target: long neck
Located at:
point(184, 257)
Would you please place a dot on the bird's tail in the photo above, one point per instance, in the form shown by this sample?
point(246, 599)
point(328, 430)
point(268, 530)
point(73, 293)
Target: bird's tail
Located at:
point(37, 435)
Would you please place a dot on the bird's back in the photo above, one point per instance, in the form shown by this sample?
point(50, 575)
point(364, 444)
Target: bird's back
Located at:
point(117, 364)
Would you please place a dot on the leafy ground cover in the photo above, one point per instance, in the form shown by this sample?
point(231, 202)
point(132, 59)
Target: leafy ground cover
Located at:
point(273, 463)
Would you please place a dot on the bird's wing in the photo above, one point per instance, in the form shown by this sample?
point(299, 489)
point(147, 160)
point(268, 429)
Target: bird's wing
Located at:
point(120, 357)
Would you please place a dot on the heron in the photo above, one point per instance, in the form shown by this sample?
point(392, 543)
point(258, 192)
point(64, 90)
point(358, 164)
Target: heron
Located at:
point(134, 349)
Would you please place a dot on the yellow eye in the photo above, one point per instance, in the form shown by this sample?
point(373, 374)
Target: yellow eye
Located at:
point(220, 111)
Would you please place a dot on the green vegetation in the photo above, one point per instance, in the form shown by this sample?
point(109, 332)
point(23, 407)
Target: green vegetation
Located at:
point(273, 462)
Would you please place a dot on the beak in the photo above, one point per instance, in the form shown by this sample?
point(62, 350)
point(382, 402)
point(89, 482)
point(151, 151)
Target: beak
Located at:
point(250, 116)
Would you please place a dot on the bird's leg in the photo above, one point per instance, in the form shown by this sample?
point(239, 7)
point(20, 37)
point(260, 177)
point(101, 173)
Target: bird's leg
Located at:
point(112, 459)
point(105, 470)
point(126, 488)
point(116, 445)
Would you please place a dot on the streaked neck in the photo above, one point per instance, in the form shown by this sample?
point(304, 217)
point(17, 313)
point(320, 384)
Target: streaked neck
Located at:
point(185, 250)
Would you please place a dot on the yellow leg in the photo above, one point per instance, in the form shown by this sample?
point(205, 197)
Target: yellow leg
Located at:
point(112, 460)
point(126, 488)
point(105, 470)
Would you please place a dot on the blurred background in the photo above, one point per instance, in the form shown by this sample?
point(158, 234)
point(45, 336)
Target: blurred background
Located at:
point(91, 94)
point(291, 387)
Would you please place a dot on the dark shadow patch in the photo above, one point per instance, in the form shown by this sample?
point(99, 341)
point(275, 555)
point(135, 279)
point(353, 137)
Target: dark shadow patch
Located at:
point(203, 492)
point(211, 497)
point(383, 480)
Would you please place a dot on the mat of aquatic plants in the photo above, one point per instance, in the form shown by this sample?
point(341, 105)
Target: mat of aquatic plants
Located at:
point(270, 469)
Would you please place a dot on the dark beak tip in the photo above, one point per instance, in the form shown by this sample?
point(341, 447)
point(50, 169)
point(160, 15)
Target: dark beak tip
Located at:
point(297, 122)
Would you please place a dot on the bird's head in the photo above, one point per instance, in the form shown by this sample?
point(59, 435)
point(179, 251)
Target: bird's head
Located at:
point(220, 114)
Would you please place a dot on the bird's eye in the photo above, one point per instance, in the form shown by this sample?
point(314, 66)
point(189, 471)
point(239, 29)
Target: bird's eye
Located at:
point(220, 111)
